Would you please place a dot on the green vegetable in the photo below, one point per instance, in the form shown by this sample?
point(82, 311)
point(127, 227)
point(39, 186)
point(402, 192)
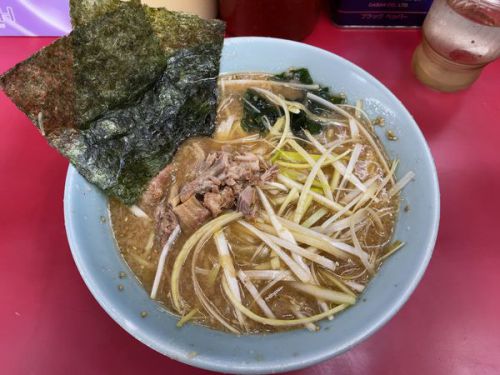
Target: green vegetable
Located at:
point(300, 122)
point(259, 114)
point(324, 92)
point(300, 75)
point(122, 91)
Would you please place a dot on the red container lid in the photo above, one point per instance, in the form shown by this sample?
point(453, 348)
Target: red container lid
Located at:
point(288, 19)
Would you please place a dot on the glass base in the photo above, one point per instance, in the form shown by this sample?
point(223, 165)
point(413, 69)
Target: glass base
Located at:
point(441, 74)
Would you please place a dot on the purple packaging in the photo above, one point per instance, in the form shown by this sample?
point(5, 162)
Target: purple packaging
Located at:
point(373, 13)
point(34, 17)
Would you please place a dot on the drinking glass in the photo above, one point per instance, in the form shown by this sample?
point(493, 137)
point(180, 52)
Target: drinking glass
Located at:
point(460, 37)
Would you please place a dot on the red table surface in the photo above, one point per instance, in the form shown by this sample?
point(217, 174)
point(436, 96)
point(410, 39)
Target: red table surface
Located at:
point(50, 324)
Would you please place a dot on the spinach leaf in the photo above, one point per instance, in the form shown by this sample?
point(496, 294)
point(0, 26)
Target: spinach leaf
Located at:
point(300, 75)
point(258, 113)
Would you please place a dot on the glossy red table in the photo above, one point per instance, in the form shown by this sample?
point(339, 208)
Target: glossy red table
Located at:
point(50, 324)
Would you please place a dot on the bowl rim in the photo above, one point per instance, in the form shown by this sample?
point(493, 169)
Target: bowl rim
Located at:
point(210, 364)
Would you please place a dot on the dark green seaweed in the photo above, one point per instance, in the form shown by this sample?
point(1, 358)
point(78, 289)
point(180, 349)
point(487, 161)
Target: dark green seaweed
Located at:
point(299, 75)
point(258, 113)
point(119, 55)
point(129, 146)
point(116, 59)
point(84, 11)
point(300, 122)
point(325, 93)
point(302, 75)
point(122, 91)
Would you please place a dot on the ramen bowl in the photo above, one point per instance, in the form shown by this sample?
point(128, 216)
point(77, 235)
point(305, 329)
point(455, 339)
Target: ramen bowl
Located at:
point(100, 264)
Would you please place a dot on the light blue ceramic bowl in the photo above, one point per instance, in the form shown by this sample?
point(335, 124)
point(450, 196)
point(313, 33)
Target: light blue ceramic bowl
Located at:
point(99, 262)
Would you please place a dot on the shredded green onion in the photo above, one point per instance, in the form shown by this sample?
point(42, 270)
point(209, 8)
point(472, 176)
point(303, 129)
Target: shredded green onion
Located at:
point(186, 318)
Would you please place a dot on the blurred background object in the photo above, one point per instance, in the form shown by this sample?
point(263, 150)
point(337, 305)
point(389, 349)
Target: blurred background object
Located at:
point(203, 8)
point(34, 18)
point(460, 37)
point(288, 19)
point(369, 13)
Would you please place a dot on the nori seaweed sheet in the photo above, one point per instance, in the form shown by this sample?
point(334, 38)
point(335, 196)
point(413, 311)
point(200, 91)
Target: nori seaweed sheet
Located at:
point(122, 91)
point(84, 11)
point(134, 143)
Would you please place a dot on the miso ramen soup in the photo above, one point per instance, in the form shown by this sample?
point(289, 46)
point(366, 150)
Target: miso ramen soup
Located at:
point(278, 221)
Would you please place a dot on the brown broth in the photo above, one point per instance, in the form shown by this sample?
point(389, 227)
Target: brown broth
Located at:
point(133, 234)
